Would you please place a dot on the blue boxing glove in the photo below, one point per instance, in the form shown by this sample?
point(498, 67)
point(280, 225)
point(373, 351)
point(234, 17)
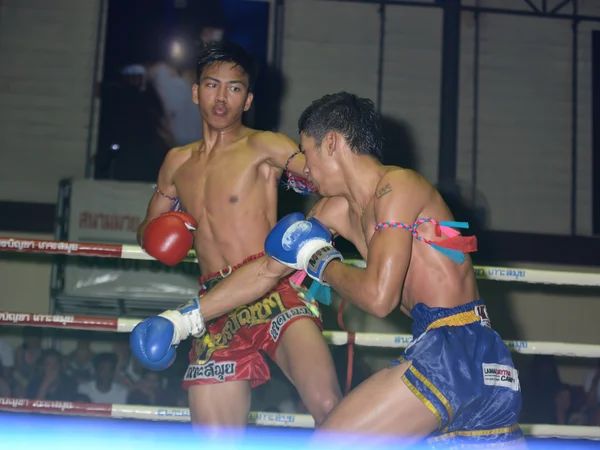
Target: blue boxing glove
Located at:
point(302, 245)
point(154, 341)
point(150, 343)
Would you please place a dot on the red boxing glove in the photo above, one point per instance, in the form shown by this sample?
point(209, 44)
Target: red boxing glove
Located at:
point(168, 238)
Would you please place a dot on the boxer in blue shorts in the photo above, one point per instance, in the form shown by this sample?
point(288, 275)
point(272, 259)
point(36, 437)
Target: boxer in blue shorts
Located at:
point(456, 382)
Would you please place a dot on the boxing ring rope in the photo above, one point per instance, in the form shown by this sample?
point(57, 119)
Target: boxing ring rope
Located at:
point(382, 340)
point(125, 325)
point(260, 418)
point(49, 247)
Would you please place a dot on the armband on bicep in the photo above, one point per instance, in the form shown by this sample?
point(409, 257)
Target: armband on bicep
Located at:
point(301, 185)
point(176, 202)
point(454, 247)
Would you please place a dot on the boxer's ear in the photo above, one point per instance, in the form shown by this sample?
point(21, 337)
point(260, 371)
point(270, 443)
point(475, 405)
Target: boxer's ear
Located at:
point(249, 99)
point(195, 93)
point(330, 142)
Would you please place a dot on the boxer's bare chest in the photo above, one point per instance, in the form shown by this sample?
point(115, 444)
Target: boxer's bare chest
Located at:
point(355, 226)
point(219, 182)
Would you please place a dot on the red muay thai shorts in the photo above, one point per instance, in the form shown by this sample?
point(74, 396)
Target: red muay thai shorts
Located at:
point(235, 345)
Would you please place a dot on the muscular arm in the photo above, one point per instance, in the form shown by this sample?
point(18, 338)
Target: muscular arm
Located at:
point(158, 203)
point(277, 149)
point(243, 286)
point(331, 211)
point(377, 289)
point(254, 279)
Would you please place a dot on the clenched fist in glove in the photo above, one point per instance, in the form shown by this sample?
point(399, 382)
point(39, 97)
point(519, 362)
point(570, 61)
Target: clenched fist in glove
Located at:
point(168, 238)
point(154, 341)
point(302, 244)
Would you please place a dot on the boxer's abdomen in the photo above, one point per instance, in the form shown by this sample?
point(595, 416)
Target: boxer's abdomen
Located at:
point(234, 200)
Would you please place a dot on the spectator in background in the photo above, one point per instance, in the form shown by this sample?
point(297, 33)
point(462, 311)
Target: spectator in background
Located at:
point(546, 400)
point(7, 359)
point(26, 360)
point(129, 370)
point(563, 405)
point(49, 382)
point(123, 353)
point(591, 386)
point(103, 388)
point(147, 391)
point(79, 362)
point(174, 395)
point(147, 107)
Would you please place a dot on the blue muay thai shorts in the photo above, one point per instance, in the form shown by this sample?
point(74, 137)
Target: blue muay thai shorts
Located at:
point(463, 372)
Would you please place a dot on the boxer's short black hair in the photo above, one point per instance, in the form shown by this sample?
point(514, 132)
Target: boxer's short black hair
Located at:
point(353, 117)
point(229, 52)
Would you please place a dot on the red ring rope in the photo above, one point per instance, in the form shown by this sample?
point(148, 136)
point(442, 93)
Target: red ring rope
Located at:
point(55, 407)
point(60, 321)
point(60, 247)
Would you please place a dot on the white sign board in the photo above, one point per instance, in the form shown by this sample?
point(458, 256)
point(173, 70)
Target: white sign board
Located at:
point(110, 212)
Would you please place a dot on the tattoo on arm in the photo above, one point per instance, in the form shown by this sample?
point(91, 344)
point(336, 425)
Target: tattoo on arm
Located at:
point(384, 190)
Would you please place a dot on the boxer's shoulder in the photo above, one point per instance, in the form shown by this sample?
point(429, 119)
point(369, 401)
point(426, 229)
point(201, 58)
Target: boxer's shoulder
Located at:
point(173, 160)
point(184, 151)
point(266, 141)
point(400, 180)
point(261, 137)
point(177, 156)
point(187, 150)
point(399, 175)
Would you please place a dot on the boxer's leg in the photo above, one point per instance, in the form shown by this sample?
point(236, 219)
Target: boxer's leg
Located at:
point(218, 391)
point(304, 357)
point(224, 404)
point(382, 405)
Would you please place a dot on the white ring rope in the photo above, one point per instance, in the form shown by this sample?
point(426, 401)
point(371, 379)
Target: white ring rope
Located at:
point(125, 325)
point(553, 277)
point(174, 414)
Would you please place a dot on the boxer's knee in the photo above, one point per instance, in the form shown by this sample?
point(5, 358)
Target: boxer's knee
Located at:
point(304, 357)
point(325, 405)
point(320, 396)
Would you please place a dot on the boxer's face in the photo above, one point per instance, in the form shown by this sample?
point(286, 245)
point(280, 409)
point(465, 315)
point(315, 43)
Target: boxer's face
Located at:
point(222, 94)
point(321, 168)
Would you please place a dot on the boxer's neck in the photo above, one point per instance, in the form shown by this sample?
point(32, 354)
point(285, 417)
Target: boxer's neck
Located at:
point(215, 138)
point(361, 175)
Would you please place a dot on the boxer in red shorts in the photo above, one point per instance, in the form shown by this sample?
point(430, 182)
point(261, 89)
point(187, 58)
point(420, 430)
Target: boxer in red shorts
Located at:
point(233, 346)
point(219, 196)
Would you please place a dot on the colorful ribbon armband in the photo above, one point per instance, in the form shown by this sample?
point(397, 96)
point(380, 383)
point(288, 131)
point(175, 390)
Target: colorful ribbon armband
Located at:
point(301, 185)
point(455, 247)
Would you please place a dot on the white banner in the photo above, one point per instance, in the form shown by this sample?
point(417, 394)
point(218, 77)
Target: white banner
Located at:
point(110, 212)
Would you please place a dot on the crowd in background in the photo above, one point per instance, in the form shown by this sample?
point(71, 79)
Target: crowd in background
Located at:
point(548, 400)
point(114, 376)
